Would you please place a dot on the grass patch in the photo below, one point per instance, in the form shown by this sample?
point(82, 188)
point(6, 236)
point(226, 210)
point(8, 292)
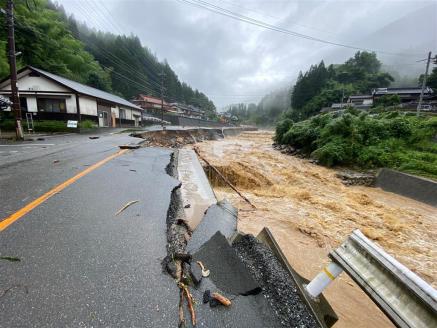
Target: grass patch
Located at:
point(50, 126)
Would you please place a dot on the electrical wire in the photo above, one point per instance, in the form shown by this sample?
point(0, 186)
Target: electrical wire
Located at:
point(246, 19)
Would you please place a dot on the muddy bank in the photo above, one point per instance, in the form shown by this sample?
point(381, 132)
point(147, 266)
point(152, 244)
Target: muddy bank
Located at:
point(310, 211)
point(178, 138)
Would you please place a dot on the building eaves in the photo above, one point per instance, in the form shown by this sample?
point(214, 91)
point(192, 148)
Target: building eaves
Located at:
point(85, 90)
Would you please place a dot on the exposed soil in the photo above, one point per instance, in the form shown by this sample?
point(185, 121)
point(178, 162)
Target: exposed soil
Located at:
point(310, 211)
point(177, 138)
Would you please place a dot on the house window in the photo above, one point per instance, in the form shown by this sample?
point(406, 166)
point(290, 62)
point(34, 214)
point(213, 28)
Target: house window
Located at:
point(23, 104)
point(122, 114)
point(51, 105)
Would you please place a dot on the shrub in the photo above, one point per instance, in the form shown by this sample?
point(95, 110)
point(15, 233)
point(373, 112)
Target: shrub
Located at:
point(281, 128)
point(387, 100)
point(7, 125)
point(87, 124)
point(390, 139)
point(336, 151)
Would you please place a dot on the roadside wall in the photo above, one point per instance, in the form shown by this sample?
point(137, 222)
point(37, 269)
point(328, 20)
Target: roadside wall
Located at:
point(421, 189)
point(187, 121)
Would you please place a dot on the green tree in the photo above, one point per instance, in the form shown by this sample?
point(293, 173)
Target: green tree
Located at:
point(320, 87)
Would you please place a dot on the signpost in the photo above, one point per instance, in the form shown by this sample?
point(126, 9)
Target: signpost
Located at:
point(72, 124)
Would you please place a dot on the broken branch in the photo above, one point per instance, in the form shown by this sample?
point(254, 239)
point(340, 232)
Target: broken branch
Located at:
point(126, 206)
point(181, 309)
point(223, 300)
point(190, 305)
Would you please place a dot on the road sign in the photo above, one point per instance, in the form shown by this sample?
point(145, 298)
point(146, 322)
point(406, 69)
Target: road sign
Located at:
point(72, 124)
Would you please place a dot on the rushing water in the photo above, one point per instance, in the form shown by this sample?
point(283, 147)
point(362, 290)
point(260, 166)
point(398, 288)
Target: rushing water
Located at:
point(292, 194)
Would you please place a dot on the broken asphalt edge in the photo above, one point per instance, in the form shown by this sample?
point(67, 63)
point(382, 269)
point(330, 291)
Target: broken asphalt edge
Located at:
point(321, 309)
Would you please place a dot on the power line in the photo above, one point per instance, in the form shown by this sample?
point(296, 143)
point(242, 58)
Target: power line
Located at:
point(236, 16)
point(150, 69)
point(121, 64)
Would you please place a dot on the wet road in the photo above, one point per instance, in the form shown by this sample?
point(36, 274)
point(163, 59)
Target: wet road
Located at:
point(80, 264)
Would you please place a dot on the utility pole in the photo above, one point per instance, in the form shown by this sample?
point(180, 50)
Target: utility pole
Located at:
point(13, 69)
point(162, 99)
point(419, 105)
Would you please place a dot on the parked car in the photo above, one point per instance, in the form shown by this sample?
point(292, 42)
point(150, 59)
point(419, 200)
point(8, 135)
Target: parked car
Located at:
point(426, 108)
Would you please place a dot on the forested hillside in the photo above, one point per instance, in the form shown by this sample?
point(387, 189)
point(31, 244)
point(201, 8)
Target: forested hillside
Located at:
point(321, 86)
point(266, 113)
point(51, 40)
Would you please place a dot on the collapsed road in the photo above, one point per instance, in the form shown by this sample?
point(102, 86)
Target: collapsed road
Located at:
point(136, 237)
point(84, 235)
point(263, 294)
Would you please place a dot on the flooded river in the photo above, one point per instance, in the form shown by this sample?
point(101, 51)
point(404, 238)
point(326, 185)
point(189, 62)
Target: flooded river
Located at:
point(310, 211)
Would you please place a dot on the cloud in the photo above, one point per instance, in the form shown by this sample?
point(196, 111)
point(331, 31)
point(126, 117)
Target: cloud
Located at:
point(233, 61)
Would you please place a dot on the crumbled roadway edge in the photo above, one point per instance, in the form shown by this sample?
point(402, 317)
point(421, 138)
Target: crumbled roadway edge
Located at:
point(177, 231)
point(277, 284)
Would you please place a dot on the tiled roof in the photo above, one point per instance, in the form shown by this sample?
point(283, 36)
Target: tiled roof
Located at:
point(84, 89)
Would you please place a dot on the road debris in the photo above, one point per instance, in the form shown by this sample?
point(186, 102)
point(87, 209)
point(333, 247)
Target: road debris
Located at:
point(126, 206)
point(220, 298)
point(196, 274)
point(206, 296)
point(205, 273)
point(10, 258)
point(134, 146)
point(94, 137)
point(223, 177)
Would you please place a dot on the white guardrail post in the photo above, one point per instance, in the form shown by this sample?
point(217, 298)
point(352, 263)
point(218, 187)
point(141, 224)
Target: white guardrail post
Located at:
point(403, 296)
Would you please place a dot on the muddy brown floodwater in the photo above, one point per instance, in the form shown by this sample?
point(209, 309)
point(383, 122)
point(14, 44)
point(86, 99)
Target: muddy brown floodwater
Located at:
point(310, 212)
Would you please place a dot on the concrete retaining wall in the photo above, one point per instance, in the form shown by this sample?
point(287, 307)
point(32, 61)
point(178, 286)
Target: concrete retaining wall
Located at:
point(421, 189)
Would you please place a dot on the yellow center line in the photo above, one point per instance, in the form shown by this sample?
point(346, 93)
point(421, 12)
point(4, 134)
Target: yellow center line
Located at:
point(6, 222)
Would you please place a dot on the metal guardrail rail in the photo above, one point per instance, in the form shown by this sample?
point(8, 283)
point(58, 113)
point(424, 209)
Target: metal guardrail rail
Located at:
point(404, 297)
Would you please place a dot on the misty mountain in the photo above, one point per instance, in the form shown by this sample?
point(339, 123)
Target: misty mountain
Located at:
point(411, 36)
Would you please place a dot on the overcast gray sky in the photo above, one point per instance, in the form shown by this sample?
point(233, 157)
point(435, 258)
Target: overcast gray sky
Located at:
point(232, 61)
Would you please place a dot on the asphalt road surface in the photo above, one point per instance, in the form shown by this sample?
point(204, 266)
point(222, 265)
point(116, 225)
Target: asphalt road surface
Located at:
point(80, 264)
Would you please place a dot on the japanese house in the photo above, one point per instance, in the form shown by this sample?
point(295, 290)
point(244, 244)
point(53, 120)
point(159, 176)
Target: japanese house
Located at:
point(47, 96)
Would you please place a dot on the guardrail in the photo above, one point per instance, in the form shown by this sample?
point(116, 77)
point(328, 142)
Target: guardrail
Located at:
point(404, 297)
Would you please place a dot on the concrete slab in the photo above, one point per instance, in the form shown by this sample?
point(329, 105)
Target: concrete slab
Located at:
point(245, 311)
point(227, 271)
point(219, 217)
point(196, 192)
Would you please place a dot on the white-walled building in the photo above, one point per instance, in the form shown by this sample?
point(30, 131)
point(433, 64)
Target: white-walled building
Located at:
point(52, 97)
